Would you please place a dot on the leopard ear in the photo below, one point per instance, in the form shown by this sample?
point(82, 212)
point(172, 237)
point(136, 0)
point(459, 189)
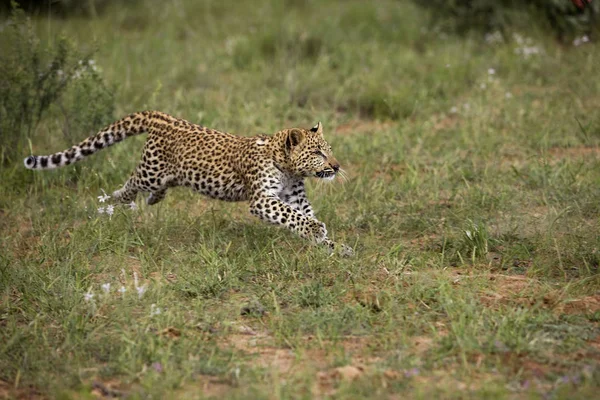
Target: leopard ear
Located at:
point(318, 128)
point(294, 137)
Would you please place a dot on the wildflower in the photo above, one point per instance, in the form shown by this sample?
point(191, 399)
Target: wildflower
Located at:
point(527, 51)
point(106, 287)
point(110, 210)
point(579, 41)
point(154, 310)
point(88, 296)
point(101, 210)
point(491, 71)
point(140, 291)
point(412, 372)
point(157, 367)
point(518, 38)
point(483, 86)
point(133, 206)
point(494, 37)
point(453, 110)
point(122, 290)
point(508, 95)
point(104, 197)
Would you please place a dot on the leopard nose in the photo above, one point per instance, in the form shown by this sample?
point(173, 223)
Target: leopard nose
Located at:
point(336, 167)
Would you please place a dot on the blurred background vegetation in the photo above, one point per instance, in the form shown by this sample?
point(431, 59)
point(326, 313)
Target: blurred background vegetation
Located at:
point(42, 76)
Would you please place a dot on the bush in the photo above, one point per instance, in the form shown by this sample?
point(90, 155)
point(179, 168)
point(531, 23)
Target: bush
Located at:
point(561, 16)
point(58, 7)
point(37, 80)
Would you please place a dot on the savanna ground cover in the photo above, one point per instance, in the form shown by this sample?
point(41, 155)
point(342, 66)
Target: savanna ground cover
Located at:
point(472, 203)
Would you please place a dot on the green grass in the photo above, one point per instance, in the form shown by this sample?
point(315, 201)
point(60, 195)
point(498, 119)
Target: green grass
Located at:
point(477, 232)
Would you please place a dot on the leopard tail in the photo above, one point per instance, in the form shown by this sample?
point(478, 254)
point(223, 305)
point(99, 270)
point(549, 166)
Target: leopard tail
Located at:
point(131, 125)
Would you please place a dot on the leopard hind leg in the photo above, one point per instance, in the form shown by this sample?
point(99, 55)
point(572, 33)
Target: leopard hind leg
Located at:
point(156, 196)
point(127, 193)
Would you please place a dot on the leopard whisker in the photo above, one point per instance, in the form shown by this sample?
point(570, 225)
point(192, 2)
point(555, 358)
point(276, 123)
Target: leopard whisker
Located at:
point(343, 175)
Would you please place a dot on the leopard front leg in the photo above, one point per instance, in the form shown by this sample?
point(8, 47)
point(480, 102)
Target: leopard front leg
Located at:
point(275, 211)
point(295, 195)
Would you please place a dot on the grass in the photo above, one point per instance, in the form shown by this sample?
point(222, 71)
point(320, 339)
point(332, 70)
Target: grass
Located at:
point(472, 205)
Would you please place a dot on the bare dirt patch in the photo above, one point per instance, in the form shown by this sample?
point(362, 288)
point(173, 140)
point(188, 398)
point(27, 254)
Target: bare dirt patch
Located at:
point(8, 391)
point(326, 381)
point(107, 389)
point(574, 152)
point(506, 289)
point(445, 122)
point(313, 353)
point(585, 305)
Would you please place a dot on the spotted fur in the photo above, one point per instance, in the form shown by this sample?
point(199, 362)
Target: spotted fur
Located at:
point(266, 171)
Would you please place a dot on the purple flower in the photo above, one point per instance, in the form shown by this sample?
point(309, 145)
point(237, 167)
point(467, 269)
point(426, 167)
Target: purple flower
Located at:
point(157, 367)
point(411, 372)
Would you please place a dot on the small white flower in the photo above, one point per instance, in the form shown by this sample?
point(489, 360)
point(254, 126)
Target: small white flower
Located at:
point(101, 210)
point(448, 65)
point(483, 86)
point(106, 287)
point(518, 38)
point(453, 110)
point(494, 37)
point(92, 62)
point(122, 290)
point(140, 291)
point(110, 210)
point(88, 296)
point(104, 197)
point(154, 310)
point(133, 206)
point(491, 71)
point(585, 39)
point(508, 95)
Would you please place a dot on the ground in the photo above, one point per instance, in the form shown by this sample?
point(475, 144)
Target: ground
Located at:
point(471, 202)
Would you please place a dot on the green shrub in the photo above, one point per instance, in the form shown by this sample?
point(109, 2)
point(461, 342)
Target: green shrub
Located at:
point(38, 80)
point(59, 7)
point(561, 16)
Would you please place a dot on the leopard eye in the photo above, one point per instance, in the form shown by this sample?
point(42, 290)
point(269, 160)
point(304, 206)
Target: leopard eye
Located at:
point(319, 153)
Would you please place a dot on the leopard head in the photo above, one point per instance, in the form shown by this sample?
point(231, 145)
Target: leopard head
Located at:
point(308, 154)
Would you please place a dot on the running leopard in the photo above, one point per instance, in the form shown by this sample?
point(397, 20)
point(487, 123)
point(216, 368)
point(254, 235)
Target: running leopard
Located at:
point(266, 171)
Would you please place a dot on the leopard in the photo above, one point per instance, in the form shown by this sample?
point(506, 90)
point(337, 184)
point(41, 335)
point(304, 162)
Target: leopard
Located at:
point(267, 171)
